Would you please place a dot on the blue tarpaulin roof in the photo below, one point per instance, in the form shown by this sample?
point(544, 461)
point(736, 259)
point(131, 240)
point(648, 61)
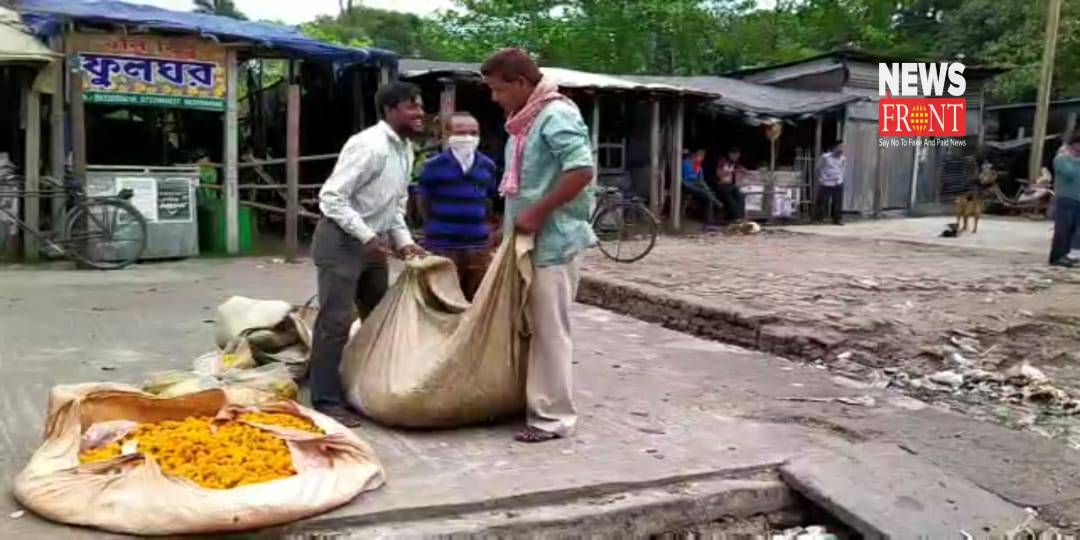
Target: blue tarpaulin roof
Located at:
point(46, 18)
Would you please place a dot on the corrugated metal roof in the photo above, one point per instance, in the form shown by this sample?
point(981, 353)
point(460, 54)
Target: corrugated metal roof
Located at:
point(16, 42)
point(566, 78)
point(1007, 106)
point(759, 99)
point(973, 66)
point(729, 94)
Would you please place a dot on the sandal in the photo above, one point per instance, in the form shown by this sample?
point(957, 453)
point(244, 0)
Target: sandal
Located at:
point(534, 435)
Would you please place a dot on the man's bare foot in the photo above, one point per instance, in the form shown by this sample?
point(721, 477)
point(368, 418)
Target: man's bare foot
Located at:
point(343, 415)
point(534, 435)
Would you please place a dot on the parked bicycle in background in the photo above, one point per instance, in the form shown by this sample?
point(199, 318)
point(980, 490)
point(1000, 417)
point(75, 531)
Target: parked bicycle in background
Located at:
point(106, 233)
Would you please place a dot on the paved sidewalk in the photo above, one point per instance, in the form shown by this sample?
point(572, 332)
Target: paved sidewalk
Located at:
point(1016, 235)
point(657, 405)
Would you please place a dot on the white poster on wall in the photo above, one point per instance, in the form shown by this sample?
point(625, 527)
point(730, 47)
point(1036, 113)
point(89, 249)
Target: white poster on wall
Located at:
point(144, 194)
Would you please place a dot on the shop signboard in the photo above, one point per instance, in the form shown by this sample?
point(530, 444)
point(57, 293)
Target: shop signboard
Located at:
point(156, 71)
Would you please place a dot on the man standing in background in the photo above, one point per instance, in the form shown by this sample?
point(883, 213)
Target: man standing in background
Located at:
point(1066, 202)
point(363, 205)
point(456, 191)
point(830, 192)
point(548, 189)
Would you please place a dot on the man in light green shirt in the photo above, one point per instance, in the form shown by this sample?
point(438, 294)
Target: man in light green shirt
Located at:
point(550, 193)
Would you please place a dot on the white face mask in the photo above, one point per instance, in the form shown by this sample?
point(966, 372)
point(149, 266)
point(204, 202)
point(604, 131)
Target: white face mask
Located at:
point(464, 144)
point(464, 149)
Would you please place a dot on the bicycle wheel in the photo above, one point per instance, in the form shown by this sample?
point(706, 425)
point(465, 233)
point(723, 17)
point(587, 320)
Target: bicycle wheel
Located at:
point(105, 234)
point(626, 231)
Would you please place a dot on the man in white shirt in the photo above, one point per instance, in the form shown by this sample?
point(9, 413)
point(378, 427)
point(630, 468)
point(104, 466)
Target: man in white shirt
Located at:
point(363, 205)
point(830, 192)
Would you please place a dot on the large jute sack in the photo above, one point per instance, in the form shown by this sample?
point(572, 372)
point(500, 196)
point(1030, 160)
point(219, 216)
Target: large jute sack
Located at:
point(130, 494)
point(427, 358)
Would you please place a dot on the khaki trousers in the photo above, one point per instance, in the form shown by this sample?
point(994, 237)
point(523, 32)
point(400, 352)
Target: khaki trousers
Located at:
point(549, 392)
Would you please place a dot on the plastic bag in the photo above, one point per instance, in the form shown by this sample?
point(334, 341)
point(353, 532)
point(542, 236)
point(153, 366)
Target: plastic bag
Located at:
point(173, 383)
point(266, 384)
point(130, 494)
point(258, 386)
point(427, 358)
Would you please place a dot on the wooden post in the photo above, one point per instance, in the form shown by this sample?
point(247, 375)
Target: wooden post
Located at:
point(1046, 76)
point(982, 119)
point(913, 199)
point(1070, 127)
point(32, 168)
point(56, 133)
point(768, 199)
point(384, 79)
point(878, 188)
point(358, 99)
point(78, 121)
point(447, 103)
point(655, 202)
point(292, 168)
point(814, 165)
point(595, 129)
point(232, 156)
point(676, 164)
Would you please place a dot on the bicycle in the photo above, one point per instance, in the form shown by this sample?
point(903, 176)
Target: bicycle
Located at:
point(104, 233)
point(619, 222)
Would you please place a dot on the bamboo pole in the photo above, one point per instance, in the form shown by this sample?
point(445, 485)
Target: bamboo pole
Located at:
point(1046, 77)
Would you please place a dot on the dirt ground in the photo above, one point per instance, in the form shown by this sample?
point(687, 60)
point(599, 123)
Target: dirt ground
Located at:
point(950, 325)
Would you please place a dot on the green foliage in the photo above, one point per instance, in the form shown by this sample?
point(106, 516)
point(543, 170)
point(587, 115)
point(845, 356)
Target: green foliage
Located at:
point(715, 36)
point(225, 8)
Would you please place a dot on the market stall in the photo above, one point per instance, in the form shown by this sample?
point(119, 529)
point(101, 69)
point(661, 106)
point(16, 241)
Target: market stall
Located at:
point(160, 88)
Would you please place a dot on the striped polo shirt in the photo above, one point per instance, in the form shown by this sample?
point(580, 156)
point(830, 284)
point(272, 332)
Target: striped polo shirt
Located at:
point(458, 201)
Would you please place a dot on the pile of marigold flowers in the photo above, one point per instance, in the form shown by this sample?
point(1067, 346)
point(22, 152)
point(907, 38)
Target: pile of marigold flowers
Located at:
point(213, 455)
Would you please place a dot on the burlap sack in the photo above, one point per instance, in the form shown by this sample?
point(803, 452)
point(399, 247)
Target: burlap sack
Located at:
point(131, 494)
point(427, 358)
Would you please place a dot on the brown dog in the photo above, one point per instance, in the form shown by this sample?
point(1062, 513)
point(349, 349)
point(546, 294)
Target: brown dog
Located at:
point(968, 205)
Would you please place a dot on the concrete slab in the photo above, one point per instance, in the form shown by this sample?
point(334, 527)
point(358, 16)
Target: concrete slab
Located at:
point(1016, 235)
point(66, 327)
point(628, 514)
point(884, 492)
point(658, 407)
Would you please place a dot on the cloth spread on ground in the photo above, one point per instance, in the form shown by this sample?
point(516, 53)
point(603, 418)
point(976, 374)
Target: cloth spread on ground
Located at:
point(131, 494)
point(425, 357)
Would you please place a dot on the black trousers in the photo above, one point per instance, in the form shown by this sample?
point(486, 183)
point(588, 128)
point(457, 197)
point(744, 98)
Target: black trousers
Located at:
point(734, 202)
point(829, 200)
point(347, 278)
point(1066, 227)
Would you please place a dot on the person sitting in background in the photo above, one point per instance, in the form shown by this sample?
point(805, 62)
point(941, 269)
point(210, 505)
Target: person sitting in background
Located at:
point(693, 177)
point(729, 176)
point(456, 190)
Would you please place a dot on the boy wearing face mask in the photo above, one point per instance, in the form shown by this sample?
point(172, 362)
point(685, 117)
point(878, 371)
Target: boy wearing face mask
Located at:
point(456, 189)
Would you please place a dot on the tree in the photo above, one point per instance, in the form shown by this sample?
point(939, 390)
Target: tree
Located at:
point(359, 26)
point(224, 8)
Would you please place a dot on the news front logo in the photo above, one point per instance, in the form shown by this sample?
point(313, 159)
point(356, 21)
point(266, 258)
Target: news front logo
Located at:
point(915, 102)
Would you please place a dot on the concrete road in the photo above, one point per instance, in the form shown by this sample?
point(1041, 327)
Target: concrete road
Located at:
point(657, 405)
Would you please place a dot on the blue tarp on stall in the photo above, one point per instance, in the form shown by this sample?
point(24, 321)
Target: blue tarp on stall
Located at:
point(46, 18)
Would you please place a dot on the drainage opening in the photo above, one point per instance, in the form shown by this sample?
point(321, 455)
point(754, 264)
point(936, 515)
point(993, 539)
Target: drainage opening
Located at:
point(801, 521)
